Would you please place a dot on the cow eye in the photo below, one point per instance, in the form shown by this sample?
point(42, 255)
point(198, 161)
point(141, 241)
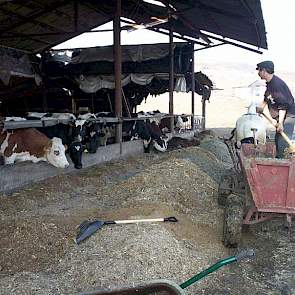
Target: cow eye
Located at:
point(56, 153)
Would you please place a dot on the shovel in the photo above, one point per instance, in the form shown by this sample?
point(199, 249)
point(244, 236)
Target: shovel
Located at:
point(284, 135)
point(87, 228)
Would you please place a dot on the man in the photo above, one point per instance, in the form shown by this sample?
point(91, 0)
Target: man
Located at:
point(278, 103)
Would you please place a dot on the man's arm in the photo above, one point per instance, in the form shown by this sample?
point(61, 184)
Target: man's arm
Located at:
point(280, 124)
point(263, 108)
point(260, 108)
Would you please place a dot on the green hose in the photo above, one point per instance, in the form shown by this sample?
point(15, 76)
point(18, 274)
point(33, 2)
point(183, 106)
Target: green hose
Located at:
point(209, 270)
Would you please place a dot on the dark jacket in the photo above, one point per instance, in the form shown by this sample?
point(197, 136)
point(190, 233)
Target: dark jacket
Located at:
point(281, 97)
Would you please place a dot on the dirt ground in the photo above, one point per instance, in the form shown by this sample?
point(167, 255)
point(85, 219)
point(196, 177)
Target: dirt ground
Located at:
point(38, 254)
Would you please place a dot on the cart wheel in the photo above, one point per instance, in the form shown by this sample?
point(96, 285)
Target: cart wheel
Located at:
point(233, 220)
point(224, 188)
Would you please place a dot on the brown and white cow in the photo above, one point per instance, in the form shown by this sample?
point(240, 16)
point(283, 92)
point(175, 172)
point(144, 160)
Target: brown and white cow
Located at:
point(30, 144)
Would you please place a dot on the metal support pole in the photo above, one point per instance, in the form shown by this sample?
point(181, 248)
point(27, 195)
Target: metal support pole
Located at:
point(171, 78)
point(118, 72)
point(44, 97)
point(127, 106)
point(193, 86)
point(203, 113)
point(74, 108)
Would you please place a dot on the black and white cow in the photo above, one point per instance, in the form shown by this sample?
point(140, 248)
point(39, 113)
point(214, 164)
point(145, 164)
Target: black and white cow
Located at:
point(149, 132)
point(97, 133)
point(91, 140)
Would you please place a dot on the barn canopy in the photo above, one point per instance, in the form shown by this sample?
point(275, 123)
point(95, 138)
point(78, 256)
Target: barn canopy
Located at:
point(36, 25)
point(87, 76)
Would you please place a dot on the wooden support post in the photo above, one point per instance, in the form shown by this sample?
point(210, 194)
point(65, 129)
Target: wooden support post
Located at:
point(171, 77)
point(118, 72)
point(193, 85)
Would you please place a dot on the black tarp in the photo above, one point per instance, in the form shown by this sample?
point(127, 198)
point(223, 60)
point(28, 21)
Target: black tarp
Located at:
point(55, 63)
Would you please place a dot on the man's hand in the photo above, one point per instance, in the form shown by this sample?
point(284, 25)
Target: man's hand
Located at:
point(259, 110)
point(279, 127)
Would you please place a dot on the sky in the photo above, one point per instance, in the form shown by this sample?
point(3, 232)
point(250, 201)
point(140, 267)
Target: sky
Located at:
point(279, 23)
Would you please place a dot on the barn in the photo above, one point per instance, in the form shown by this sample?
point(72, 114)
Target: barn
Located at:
point(115, 79)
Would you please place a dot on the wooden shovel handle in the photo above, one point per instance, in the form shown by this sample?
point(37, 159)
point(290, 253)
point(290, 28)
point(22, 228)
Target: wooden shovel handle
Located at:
point(284, 135)
point(169, 219)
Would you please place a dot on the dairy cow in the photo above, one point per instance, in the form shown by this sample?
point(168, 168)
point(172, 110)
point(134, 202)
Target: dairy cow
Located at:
point(71, 136)
point(149, 132)
point(31, 145)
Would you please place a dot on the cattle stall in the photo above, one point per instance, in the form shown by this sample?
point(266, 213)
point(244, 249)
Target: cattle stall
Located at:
point(67, 88)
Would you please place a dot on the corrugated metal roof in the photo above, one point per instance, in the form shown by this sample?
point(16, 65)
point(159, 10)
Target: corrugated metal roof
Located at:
point(35, 25)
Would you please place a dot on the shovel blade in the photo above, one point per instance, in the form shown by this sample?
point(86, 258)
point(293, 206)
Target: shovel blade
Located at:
point(86, 229)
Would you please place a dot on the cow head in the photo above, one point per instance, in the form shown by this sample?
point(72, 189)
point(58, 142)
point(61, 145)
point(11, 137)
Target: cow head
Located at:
point(161, 144)
point(159, 139)
point(55, 153)
point(93, 132)
point(79, 130)
point(76, 150)
point(140, 130)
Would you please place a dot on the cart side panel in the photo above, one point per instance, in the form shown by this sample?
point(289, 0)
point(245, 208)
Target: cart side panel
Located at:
point(271, 180)
point(291, 185)
point(268, 184)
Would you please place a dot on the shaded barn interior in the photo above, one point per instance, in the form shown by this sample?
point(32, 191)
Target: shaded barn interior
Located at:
point(35, 26)
point(114, 79)
point(84, 78)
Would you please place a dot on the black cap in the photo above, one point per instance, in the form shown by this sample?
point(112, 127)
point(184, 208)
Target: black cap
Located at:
point(267, 65)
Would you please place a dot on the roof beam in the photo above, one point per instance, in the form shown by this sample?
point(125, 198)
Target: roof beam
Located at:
point(166, 2)
point(33, 16)
point(188, 39)
point(62, 13)
point(12, 36)
point(186, 22)
point(109, 17)
point(76, 14)
point(25, 19)
point(211, 46)
point(233, 43)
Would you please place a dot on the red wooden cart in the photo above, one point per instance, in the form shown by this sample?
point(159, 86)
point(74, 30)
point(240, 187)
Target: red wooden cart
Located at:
point(261, 186)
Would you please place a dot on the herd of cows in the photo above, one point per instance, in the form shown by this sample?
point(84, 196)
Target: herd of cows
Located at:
point(84, 133)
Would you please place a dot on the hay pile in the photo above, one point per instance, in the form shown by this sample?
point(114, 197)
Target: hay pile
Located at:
point(204, 160)
point(116, 256)
point(179, 183)
point(218, 148)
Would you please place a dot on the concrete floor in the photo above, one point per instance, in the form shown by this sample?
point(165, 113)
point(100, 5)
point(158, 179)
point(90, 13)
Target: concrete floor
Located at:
point(16, 176)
